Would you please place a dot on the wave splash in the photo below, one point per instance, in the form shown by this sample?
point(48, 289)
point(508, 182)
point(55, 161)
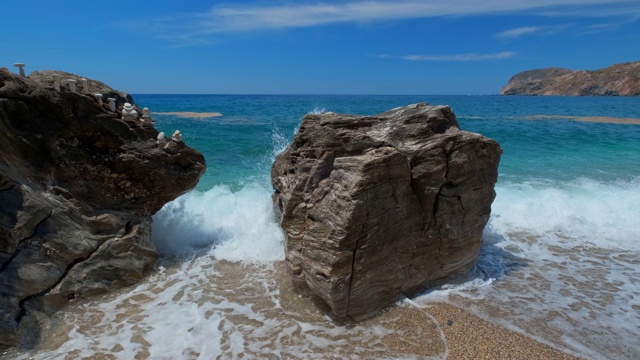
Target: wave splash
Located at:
point(318, 111)
point(555, 253)
point(233, 226)
point(230, 225)
point(603, 214)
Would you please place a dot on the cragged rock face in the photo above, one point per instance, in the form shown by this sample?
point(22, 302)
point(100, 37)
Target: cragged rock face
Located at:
point(616, 80)
point(78, 186)
point(378, 207)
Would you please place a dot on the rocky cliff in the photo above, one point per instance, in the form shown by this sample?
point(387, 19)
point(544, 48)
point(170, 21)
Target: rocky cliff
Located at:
point(78, 186)
point(378, 207)
point(617, 80)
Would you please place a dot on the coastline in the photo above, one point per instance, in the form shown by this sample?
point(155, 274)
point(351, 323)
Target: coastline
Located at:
point(294, 327)
point(500, 323)
point(463, 335)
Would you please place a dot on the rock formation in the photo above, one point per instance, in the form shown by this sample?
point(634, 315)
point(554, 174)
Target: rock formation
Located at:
point(617, 80)
point(377, 207)
point(46, 78)
point(78, 186)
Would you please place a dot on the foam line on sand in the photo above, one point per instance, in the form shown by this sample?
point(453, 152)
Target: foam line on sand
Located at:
point(470, 337)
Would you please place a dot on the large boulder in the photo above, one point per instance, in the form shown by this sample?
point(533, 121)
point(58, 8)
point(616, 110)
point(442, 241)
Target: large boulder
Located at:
point(78, 186)
point(379, 207)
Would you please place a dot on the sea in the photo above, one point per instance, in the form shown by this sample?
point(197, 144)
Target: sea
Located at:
point(560, 260)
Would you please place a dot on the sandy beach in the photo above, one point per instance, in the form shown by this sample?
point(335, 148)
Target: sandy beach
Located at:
point(470, 337)
point(320, 179)
point(443, 331)
point(293, 327)
point(191, 114)
point(595, 119)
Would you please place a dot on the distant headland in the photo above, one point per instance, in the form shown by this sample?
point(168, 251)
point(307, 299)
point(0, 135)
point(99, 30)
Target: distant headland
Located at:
point(616, 80)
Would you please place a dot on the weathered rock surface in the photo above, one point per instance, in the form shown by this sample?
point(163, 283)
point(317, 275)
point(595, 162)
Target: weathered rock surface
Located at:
point(617, 80)
point(45, 78)
point(78, 187)
point(378, 207)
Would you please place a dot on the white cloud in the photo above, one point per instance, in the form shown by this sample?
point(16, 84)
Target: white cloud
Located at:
point(603, 27)
point(615, 9)
point(531, 30)
point(517, 32)
point(264, 16)
point(461, 57)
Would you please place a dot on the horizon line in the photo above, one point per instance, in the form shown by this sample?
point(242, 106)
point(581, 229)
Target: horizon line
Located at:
point(308, 94)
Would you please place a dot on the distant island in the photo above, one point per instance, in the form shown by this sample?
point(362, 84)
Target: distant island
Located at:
point(616, 80)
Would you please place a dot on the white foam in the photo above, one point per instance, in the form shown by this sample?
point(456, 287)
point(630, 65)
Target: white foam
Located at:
point(204, 309)
point(234, 226)
point(604, 214)
point(559, 263)
point(541, 263)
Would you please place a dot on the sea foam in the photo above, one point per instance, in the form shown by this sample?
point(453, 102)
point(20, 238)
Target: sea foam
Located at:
point(560, 259)
point(591, 212)
point(233, 226)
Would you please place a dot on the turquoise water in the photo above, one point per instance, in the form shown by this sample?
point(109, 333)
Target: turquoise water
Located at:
point(562, 247)
point(560, 260)
point(239, 144)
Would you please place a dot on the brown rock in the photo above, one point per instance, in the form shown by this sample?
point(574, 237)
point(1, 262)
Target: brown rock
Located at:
point(381, 206)
point(78, 187)
point(617, 80)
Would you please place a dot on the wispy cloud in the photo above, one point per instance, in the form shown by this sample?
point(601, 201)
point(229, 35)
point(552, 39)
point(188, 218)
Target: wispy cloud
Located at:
point(264, 16)
point(614, 9)
point(595, 28)
point(518, 32)
point(185, 40)
point(461, 57)
point(531, 30)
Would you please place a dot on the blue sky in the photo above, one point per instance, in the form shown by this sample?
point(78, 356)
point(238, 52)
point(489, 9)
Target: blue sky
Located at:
point(316, 47)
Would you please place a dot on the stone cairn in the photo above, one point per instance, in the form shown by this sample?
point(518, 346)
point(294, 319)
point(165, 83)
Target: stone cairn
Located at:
point(128, 111)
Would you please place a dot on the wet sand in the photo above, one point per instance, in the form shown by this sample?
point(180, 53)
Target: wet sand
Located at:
point(442, 331)
point(595, 119)
point(470, 337)
point(198, 309)
point(190, 114)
